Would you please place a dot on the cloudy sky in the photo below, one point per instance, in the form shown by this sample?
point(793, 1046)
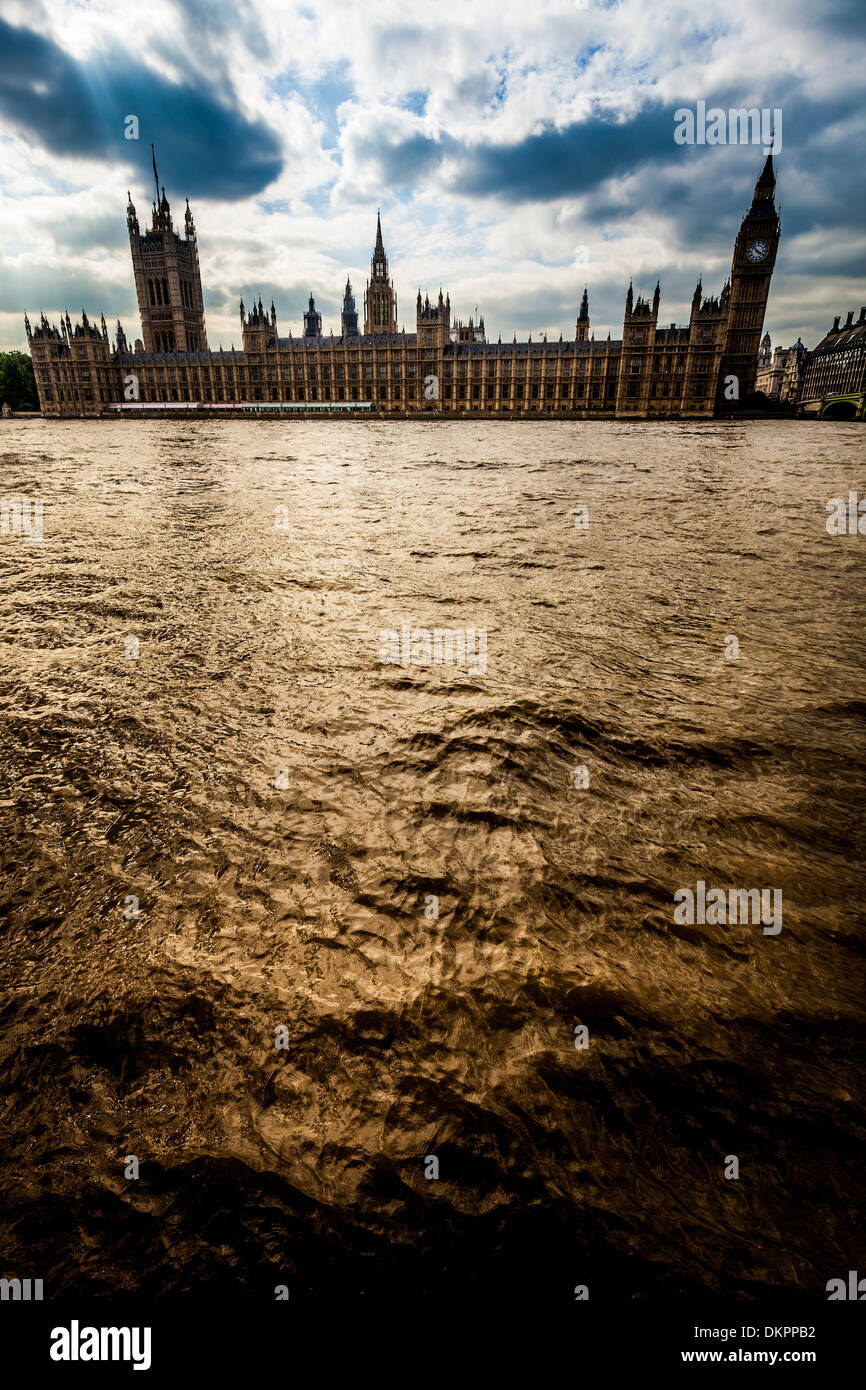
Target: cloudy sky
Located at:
point(517, 150)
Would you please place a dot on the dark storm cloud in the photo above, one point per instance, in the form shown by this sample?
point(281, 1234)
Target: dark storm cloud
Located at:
point(847, 17)
point(84, 232)
point(562, 163)
point(207, 148)
point(402, 163)
point(552, 164)
point(54, 287)
point(214, 22)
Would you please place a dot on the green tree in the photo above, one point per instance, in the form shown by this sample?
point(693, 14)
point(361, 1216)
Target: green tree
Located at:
point(17, 382)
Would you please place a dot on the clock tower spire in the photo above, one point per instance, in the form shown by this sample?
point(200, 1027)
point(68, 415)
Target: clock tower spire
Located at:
point(751, 271)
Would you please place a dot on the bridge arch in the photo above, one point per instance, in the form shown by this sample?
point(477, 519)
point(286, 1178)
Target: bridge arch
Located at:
point(842, 408)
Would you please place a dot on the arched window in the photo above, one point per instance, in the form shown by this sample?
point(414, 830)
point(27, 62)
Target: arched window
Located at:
point(150, 291)
point(165, 290)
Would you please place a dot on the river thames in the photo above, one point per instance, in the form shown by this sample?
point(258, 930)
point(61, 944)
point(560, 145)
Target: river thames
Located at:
point(373, 965)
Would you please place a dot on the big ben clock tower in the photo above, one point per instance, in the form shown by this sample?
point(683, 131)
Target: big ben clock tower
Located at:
point(754, 258)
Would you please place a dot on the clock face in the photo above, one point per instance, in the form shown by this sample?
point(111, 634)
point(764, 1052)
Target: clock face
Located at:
point(757, 251)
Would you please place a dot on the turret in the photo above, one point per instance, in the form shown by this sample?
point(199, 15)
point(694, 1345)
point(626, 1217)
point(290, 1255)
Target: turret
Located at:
point(349, 314)
point(432, 321)
point(766, 353)
point(162, 214)
point(581, 331)
point(312, 320)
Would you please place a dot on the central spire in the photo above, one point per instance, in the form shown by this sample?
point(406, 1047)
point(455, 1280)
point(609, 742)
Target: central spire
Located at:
point(380, 303)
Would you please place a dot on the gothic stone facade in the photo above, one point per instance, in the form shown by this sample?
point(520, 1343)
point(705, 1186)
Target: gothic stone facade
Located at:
point(651, 372)
point(834, 375)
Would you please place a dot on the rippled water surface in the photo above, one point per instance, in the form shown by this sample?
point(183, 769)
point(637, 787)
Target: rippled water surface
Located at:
point(309, 904)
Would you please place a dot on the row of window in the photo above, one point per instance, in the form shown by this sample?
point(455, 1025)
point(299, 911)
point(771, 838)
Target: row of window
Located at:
point(593, 391)
point(368, 373)
point(179, 388)
point(834, 375)
point(550, 367)
point(65, 400)
point(163, 340)
point(158, 295)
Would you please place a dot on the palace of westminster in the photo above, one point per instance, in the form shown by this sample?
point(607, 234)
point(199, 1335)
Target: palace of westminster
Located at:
point(653, 371)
